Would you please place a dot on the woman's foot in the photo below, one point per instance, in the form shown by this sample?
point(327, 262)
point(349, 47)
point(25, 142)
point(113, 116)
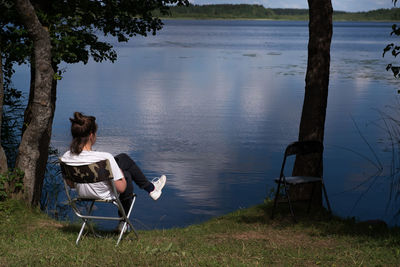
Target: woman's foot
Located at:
point(121, 225)
point(158, 186)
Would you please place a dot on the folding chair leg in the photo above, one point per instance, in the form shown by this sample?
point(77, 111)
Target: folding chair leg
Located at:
point(88, 221)
point(92, 230)
point(134, 231)
point(129, 214)
point(311, 198)
point(81, 231)
point(326, 198)
point(120, 234)
point(123, 231)
point(276, 199)
point(127, 221)
point(290, 203)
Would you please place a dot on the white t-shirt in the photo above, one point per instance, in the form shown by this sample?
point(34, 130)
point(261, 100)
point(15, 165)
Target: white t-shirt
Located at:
point(99, 190)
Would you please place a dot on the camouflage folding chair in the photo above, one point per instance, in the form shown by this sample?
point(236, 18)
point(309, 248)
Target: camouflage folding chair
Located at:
point(93, 173)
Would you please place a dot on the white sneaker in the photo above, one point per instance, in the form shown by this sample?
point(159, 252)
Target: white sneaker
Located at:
point(158, 186)
point(127, 227)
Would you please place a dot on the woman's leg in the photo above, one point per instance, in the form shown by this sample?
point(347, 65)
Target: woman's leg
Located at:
point(128, 165)
point(126, 197)
point(131, 173)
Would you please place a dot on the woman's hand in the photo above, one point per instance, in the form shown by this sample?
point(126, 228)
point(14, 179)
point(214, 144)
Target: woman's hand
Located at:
point(70, 183)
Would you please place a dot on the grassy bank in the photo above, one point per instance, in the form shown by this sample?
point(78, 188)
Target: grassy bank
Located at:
point(244, 238)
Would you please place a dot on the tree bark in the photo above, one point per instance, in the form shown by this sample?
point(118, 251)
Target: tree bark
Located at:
point(312, 122)
point(3, 158)
point(28, 109)
point(33, 150)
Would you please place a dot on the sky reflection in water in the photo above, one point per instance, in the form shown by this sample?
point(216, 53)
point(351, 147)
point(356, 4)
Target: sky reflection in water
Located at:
point(212, 104)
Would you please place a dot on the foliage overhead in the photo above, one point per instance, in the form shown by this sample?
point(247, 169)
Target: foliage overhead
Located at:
point(395, 49)
point(76, 26)
point(14, 42)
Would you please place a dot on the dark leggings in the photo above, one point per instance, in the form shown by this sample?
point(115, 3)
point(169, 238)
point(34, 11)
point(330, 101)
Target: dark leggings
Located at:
point(131, 173)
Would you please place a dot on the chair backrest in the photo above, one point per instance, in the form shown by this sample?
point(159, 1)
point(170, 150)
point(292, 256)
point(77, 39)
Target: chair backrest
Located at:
point(92, 173)
point(304, 147)
point(301, 148)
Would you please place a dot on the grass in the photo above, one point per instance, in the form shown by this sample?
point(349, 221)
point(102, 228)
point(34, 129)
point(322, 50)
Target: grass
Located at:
point(246, 237)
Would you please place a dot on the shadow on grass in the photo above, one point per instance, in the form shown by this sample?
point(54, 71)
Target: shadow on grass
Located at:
point(321, 220)
point(74, 228)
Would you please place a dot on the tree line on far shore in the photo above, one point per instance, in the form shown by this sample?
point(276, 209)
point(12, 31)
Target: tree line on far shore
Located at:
point(245, 11)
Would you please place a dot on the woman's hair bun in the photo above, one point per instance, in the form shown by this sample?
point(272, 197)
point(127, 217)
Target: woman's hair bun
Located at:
point(78, 118)
point(81, 128)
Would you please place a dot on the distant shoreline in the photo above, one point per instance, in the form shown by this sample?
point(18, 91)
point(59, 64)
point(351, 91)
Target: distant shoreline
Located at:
point(258, 12)
point(258, 19)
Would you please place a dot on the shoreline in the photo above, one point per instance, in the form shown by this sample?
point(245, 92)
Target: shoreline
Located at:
point(267, 19)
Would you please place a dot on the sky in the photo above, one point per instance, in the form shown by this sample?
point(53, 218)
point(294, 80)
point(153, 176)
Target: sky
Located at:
point(339, 5)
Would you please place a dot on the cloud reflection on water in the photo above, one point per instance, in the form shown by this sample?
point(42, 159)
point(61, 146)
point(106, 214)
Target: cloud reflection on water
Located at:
point(215, 121)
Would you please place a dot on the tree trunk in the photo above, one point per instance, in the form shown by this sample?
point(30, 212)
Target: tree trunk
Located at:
point(28, 109)
point(3, 158)
point(33, 150)
point(312, 122)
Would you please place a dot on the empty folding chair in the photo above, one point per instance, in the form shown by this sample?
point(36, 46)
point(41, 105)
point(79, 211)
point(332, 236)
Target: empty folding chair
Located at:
point(92, 173)
point(293, 149)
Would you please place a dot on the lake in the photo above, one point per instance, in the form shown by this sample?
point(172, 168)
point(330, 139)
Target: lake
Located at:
point(213, 104)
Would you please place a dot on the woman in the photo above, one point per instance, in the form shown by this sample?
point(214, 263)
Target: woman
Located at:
point(124, 169)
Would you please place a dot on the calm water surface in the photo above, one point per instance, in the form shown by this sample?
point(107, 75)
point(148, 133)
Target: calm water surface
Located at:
point(212, 104)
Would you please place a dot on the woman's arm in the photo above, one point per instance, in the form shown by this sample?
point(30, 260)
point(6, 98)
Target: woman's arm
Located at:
point(120, 185)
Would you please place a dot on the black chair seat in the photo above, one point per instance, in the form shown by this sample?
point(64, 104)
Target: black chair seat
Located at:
point(293, 180)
